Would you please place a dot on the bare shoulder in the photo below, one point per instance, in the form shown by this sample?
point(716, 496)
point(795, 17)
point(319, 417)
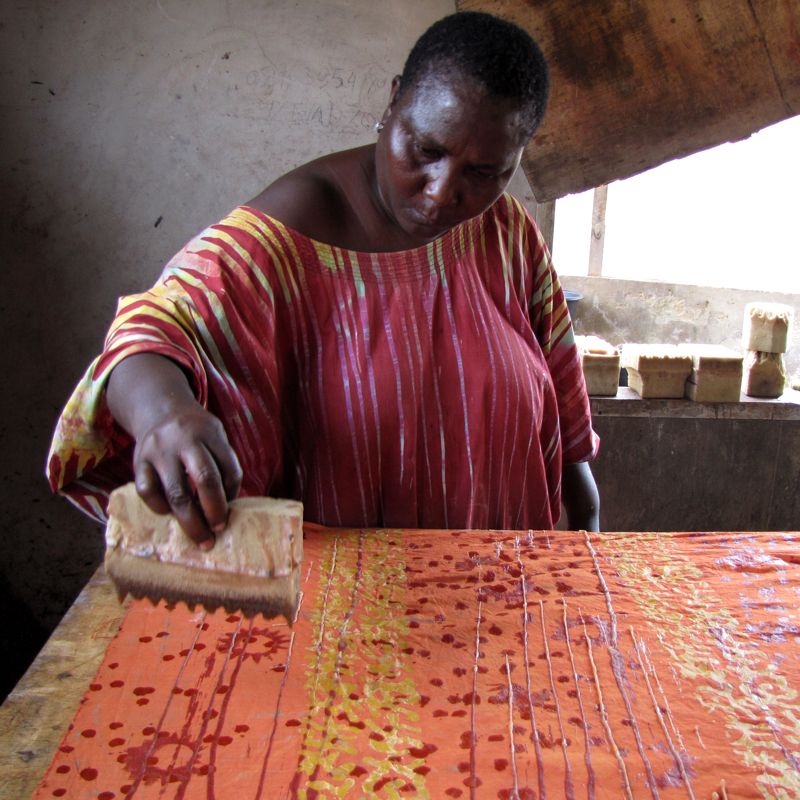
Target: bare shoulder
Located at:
point(303, 199)
point(312, 199)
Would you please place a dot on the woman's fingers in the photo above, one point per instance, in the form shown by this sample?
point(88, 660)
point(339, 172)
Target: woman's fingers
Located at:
point(183, 504)
point(185, 465)
point(228, 464)
point(166, 489)
point(205, 476)
point(148, 485)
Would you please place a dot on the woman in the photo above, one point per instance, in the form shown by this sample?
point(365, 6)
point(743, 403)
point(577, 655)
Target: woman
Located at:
point(378, 334)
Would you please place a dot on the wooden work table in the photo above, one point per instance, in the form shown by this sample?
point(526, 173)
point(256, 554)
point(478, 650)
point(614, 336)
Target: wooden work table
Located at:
point(177, 687)
point(35, 716)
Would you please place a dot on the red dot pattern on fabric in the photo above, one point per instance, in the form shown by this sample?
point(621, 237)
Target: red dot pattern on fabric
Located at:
point(475, 675)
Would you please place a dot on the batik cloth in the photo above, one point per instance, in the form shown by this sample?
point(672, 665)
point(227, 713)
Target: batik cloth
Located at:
point(433, 387)
point(464, 665)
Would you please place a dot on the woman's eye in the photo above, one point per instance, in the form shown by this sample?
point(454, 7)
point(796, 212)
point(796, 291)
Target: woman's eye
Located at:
point(426, 152)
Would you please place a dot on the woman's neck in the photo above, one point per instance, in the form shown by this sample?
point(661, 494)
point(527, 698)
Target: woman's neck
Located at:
point(336, 200)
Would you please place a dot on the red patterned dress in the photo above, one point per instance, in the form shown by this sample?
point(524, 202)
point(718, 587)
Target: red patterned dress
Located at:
point(437, 387)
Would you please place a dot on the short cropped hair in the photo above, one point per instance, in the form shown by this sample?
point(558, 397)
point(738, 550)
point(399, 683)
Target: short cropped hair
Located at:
point(496, 53)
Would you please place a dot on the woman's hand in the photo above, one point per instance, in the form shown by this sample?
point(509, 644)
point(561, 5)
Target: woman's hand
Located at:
point(183, 462)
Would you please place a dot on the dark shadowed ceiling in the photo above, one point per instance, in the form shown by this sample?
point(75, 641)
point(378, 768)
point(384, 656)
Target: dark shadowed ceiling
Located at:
point(636, 83)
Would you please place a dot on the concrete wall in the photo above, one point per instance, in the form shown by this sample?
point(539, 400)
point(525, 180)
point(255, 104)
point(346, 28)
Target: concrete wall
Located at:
point(647, 311)
point(127, 128)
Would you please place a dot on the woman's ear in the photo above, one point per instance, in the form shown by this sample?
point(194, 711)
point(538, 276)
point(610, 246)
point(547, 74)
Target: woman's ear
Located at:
point(395, 88)
point(392, 98)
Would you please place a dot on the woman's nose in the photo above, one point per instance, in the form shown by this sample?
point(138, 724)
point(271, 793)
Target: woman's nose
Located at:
point(442, 188)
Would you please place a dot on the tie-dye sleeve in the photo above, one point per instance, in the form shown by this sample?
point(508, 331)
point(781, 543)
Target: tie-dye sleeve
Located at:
point(553, 329)
point(197, 315)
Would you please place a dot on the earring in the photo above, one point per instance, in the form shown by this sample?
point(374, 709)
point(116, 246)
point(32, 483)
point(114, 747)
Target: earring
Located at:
point(378, 127)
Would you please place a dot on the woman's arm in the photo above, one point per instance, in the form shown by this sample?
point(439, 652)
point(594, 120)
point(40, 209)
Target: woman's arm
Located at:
point(580, 497)
point(183, 462)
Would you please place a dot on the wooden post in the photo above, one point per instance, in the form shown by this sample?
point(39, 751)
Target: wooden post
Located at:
point(598, 230)
point(545, 216)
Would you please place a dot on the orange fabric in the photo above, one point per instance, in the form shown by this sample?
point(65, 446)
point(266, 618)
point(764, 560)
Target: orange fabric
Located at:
point(467, 664)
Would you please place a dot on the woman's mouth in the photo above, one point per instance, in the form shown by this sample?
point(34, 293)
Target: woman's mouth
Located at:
point(423, 220)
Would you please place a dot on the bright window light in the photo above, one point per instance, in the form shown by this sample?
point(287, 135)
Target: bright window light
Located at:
point(723, 217)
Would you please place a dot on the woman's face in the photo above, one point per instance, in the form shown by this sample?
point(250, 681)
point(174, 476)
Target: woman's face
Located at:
point(446, 153)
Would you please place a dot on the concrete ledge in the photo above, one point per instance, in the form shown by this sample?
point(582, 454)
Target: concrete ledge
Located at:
point(628, 404)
